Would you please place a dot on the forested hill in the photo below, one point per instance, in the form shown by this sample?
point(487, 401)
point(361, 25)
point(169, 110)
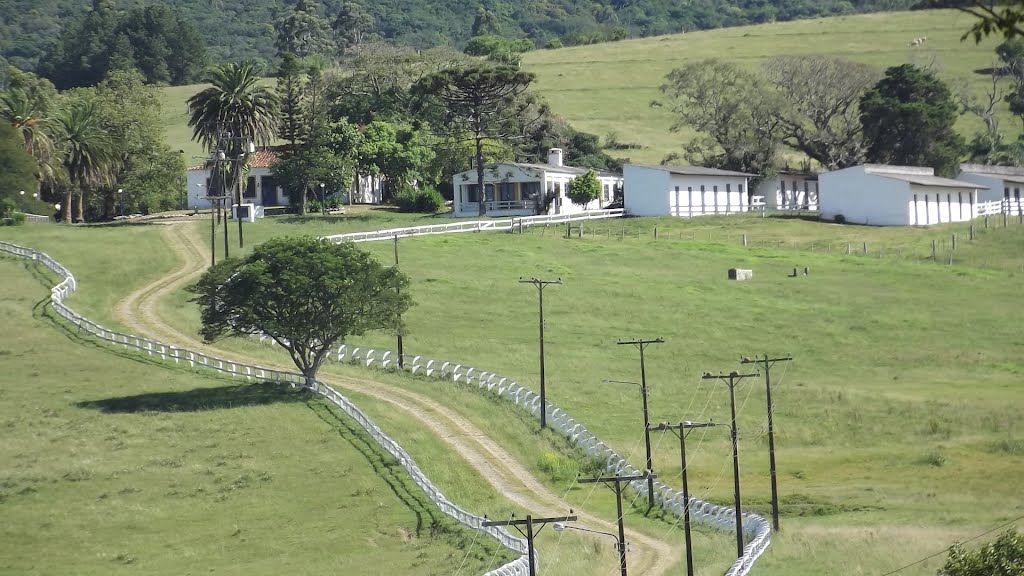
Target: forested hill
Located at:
point(235, 30)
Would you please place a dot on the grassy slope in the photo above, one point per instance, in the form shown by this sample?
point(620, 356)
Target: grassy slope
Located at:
point(608, 87)
point(114, 464)
point(887, 455)
point(105, 275)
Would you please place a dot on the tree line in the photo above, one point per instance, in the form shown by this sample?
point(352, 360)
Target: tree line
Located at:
point(838, 113)
point(232, 33)
point(95, 152)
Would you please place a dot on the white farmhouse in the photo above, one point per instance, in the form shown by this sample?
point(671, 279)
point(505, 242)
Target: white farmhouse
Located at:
point(790, 190)
point(518, 189)
point(262, 189)
point(1003, 182)
point(896, 196)
point(683, 190)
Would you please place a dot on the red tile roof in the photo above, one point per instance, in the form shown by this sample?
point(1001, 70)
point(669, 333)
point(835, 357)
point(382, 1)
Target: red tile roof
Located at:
point(262, 158)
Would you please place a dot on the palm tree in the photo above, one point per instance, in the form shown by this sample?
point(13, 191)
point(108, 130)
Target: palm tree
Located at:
point(235, 107)
point(87, 151)
point(18, 110)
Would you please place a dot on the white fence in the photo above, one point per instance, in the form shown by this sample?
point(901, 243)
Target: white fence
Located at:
point(995, 207)
point(518, 567)
point(757, 530)
point(504, 225)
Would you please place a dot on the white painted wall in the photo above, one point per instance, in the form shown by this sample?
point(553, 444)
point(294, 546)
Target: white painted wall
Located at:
point(938, 205)
point(994, 183)
point(645, 191)
point(864, 198)
point(550, 180)
point(656, 192)
point(789, 192)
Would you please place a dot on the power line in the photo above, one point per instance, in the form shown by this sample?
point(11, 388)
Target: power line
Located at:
point(947, 549)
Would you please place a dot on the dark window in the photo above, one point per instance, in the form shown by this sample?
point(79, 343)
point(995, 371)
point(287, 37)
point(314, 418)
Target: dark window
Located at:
point(507, 191)
point(250, 187)
point(489, 188)
point(530, 190)
point(473, 193)
point(1006, 191)
point(728, 187)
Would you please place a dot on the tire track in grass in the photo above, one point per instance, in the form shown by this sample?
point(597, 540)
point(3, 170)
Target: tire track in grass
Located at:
point(140, 311)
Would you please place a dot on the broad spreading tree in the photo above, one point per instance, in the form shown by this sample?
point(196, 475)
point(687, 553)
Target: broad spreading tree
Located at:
point(17, 167)
point(909, 119)
point(303, 32)
point(308, 294)
point(822, 118)
point(484, 100)
point(1005, 17)
point(732, 113)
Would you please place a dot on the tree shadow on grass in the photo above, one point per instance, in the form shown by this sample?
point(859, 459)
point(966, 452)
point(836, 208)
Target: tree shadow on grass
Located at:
point(199, 399)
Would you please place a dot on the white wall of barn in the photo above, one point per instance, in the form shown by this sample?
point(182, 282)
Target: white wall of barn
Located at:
point(864, 198)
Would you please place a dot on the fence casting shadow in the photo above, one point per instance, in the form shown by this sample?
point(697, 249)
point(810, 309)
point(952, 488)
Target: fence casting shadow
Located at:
point(199, 399)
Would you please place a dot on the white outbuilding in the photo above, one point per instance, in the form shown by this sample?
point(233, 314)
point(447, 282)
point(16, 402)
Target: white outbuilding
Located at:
point(896, 196)
point(1004, 184)
point(790, 190)
point(683, 190)
point(522, 189)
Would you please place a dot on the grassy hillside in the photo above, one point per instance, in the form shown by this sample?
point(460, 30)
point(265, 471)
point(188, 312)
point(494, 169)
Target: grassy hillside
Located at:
point(114, 464)
point(897, 422)
point(608, 88)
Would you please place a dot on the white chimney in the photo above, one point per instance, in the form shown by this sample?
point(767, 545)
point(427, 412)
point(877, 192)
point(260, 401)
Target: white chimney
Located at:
point(555, 157)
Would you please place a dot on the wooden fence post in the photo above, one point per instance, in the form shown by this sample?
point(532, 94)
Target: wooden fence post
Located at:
point(865, 248)
point(954, 241)
point(986, 221)
point(655, 232)
point(972, 231)
point(744, 239)
point(935, 250)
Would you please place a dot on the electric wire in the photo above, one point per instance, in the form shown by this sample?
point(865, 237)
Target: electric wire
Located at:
point(947, 549)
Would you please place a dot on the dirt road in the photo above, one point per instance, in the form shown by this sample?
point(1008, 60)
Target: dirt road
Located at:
point(140, 311)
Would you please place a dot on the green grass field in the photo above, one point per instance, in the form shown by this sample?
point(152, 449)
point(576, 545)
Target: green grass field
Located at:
point(608, 88)
point(898, 422)
point(113, 464)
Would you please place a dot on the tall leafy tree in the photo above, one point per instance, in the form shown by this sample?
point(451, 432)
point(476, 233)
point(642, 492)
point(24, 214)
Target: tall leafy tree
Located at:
point(822, 118)
point(483, 100)
point(17, 168)
point(291, 81)
point(165, 45)
point(352, 26)
point(82, 55)
point(237, 106)
point(993, 17)
point(307, 294)
point(399, 151)
point(909, 118)
point(88, 154)
point(735, 130)
point(303, 32)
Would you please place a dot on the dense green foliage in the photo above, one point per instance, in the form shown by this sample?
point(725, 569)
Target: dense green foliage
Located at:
point(426, 201)
point(1004, 557)
point(237, 31)
point(305, 293)
point(17, 169)
point(909, 119)
point(584, 188)
point(156, 40)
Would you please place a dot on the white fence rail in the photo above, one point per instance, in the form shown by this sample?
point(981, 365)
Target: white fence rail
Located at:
point(518, 567)
point(996, 207)
point(757, 529)
point(505, 225)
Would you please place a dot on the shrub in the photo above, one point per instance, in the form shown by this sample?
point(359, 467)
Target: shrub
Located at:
point(313, 206)
point(427, 200)
point(840, 219)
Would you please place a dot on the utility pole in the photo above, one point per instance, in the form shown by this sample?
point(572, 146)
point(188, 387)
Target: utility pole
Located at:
point(642, 344)
point(732, 379)
point(615, 483)
point(768, 363)
point(683, 427)
point(540, 284)
point(401, 360)
point(530, 522)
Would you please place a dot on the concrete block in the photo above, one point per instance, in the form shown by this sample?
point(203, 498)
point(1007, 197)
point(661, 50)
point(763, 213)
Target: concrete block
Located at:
point(739, 274)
